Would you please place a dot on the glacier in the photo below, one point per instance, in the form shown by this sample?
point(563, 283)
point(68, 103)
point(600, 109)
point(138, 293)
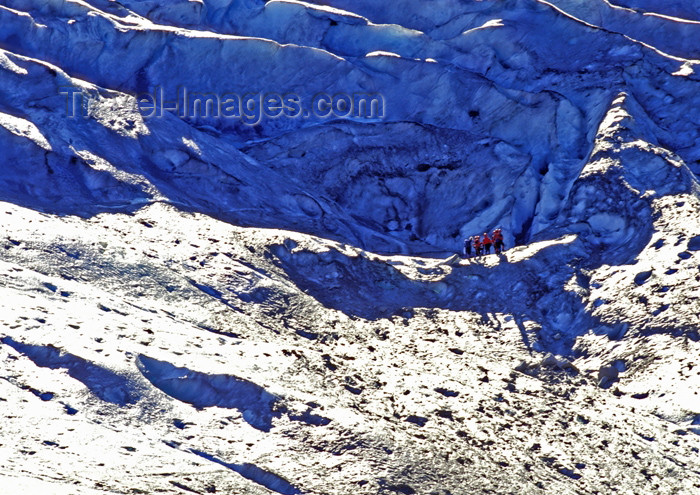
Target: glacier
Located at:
point(203, 304)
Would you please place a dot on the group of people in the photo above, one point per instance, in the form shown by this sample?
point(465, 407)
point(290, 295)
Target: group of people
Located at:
point(482, 244)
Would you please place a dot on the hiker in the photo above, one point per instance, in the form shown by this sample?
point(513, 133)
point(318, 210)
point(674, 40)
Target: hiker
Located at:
point(467, 251)
point(477, 245)
point(487, 243)
point(497, 241)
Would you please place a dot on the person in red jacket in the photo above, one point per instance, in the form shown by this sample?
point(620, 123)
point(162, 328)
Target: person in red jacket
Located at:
point(487, 242)
point(497, 241)
point(477, 245)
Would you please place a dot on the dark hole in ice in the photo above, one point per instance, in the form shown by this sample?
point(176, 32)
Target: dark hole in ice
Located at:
point(417, 420)
point(694, 243)
point(642, 277)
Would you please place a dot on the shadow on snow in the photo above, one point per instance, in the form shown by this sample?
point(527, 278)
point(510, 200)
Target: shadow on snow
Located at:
point(104, 383)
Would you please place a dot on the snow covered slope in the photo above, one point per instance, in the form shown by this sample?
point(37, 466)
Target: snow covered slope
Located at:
point(256, 304)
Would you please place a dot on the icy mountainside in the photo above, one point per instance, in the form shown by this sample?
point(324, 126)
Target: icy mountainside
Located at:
point(203, 356)
point(491, 79)
point(201, 305)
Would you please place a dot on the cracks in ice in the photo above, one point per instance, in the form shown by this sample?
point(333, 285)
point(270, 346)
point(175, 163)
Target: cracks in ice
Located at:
point(105, 384)
point(257, 406)
point(269, 480)
point(643, 44)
